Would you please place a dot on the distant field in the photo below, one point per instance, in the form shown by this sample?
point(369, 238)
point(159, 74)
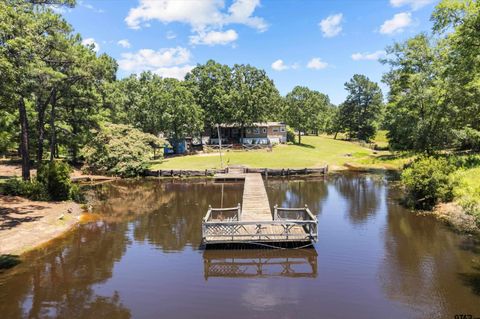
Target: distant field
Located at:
point(316, 151)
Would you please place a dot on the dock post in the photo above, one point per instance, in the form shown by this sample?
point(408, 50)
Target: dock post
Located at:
point(275, 212)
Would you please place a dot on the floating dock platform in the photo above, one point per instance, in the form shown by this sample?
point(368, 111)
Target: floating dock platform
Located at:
point(254, 221)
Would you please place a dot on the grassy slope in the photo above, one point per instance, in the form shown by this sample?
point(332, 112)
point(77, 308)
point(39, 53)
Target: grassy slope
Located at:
point(316, 151)
point(467, 193)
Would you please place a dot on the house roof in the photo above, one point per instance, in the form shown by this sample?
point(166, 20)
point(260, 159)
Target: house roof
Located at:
point(255, 124)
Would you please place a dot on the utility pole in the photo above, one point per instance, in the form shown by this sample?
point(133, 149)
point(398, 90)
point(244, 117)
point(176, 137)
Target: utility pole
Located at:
point(220, 145)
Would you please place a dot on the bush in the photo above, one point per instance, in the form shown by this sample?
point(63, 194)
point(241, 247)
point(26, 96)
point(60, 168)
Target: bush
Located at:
point(56, 178)
point(290, 134)
point(120, 150)
point(52, 183)
point(467, 139)
point(33, 190)
point(428, 181)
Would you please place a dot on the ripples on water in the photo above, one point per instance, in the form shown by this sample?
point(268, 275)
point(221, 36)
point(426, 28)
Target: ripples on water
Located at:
point(142, 259)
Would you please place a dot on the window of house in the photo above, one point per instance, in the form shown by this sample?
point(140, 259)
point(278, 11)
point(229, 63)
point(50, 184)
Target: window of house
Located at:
point(282, 129)
point(249, 131)
point(275, 130)
point(256, 130)
point(264, 130)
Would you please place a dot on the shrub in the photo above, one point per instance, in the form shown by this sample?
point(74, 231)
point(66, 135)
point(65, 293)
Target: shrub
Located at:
point(467, 138)
point(56, 178)
point(52, 183)
point(290, 134)
point(120, 150)
point(427, 181)
point(33, 190)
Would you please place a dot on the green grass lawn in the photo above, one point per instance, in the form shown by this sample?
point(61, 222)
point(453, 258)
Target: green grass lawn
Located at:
point(315, 151)
point(381, 139)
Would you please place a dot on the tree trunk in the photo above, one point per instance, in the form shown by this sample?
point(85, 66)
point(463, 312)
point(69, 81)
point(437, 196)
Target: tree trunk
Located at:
point(75, 132)
point(175, 142)
point(335, 137)
point(41, 134)
point(299, 137)
point(41, 108)
point(24, 140)
point(53, 137)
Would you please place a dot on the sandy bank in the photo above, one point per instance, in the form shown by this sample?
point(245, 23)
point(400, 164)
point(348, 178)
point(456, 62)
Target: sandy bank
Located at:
point(454, 215)
point(26, 224)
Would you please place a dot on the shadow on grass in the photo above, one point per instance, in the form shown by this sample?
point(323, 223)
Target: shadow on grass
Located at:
point(304, 145)
point(8, 261)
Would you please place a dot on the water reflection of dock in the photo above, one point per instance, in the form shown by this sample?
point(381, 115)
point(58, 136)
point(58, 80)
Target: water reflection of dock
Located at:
point(294, 263)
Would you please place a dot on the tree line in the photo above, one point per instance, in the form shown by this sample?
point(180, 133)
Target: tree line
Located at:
point(56, 94)
point(434, 83)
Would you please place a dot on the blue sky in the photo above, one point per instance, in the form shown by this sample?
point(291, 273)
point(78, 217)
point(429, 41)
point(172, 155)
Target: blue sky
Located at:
point(316, 43)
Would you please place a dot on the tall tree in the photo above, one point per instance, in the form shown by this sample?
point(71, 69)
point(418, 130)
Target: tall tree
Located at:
point(211, 84)
point(359, 114)
point(182, 117)
point(457, 23)
point(25, 34)
point(254, 96)
point(416, 115)
point(306, 110)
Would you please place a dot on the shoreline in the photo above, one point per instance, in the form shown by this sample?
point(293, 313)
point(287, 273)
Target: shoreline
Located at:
point(26, 225)
point(453, 215)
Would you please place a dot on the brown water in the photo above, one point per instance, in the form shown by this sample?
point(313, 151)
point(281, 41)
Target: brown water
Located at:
point(142, 259)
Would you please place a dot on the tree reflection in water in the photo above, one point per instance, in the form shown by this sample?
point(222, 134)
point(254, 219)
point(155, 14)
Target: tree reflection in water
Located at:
point(57, 281)
point(167, 214)
point(298, 193)
point(361, 193)
point(424, 262)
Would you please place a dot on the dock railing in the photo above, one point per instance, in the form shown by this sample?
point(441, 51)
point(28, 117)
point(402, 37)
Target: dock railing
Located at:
point(288, 224)
point(223, 214)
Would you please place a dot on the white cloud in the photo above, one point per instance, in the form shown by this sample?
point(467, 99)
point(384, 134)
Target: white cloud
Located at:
point(279, 65)
point(199, 14)
point(368, 56)
point(317, 64)
point(171, 35)
point(124, 43)
point(331, 25)
point(241, 12)
point(214, 37)
point(177, 72)
point(167, 62)
point(147, 59)
point(90, 7)
point(91, 41)
point(397, 24)
point(414, 4)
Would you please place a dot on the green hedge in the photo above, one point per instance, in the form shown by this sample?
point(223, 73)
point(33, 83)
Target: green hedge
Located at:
point(428, 181)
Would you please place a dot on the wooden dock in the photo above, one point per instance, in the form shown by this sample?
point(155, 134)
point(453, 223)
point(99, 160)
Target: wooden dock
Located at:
point(253, 221)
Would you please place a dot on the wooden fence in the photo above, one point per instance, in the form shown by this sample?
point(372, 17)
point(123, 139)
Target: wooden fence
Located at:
point(212, 172)
point(184, 172)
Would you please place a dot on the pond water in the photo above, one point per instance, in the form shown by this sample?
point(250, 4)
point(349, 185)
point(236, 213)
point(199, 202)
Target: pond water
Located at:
point(142, 259)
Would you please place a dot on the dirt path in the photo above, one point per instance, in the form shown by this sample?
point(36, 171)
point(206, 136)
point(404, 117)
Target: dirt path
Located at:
point(26, 224)
point(8, 169)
